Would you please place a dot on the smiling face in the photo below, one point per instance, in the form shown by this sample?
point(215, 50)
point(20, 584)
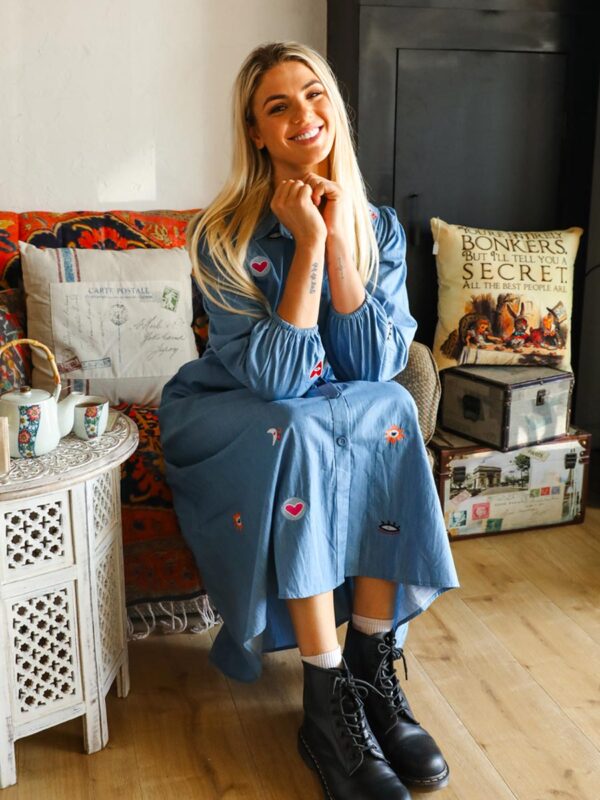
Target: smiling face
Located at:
point(293, 121)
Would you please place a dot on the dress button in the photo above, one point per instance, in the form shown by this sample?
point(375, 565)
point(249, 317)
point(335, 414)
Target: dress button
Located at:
point(342, 441)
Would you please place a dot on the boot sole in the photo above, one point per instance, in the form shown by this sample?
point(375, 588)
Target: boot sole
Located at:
point(312, 763)
point(429, 784)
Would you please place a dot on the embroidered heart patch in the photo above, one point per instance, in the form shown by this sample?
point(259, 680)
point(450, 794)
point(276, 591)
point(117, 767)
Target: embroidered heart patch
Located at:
point(260, 266)
point(293, 508)
point(317, 370)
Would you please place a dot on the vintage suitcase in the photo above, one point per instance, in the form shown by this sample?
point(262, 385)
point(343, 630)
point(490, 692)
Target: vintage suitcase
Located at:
point(506, 407)
point(485, 491)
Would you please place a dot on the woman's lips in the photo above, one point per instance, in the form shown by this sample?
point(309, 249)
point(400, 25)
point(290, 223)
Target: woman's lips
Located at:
point(312, 139)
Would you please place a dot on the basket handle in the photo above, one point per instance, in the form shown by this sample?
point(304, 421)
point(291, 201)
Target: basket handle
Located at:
point(35, 343)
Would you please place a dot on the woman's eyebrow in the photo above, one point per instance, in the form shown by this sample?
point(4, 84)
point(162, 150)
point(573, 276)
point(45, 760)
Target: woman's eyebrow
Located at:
point(284, 96)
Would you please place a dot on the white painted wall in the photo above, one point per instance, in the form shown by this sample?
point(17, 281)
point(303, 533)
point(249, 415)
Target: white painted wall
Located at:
point(126, 103)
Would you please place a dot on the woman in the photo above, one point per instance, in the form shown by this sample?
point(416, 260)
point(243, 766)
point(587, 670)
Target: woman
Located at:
point(299, 475)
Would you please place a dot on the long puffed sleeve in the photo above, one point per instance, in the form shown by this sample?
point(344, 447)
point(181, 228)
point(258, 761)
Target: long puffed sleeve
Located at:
point(372, 343)
point(270, 356)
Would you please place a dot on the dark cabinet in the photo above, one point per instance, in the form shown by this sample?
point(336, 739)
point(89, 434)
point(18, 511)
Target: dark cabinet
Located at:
point(480, 116)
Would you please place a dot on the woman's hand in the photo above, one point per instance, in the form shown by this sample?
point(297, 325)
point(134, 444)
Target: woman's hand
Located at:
point(335, 211)
point(293, 206)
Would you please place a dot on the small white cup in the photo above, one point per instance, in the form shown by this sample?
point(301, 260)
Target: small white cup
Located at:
point(91, 417)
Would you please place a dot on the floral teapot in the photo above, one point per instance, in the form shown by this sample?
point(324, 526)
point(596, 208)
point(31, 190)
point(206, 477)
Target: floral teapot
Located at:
point(36, 419)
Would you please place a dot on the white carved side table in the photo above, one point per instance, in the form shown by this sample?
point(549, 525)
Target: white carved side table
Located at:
point(62, 605)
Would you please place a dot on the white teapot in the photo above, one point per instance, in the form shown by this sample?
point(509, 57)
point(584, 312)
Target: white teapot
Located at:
point(36, 419)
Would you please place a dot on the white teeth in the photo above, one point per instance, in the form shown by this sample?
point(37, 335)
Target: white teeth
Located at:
point(308, 135)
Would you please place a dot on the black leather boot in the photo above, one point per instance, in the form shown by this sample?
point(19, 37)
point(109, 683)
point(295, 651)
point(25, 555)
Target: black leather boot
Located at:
point(335, 739)
point(411, 751)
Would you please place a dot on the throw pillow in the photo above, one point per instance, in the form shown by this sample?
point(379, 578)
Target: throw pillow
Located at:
point(118, 322)
point(15, 362)
point(505, 297)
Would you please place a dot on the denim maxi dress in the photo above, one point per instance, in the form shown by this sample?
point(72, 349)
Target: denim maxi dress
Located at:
point(296, 461)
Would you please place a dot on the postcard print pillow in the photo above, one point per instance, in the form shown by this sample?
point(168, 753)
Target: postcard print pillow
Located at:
point(505, 297)
point(118, 321)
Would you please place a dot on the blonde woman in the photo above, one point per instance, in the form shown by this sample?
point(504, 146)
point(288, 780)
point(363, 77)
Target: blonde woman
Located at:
point(299, 474)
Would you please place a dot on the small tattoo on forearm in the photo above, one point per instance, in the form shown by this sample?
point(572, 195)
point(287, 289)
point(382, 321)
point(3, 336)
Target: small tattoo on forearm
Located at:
point(340, 268)
point(314, 268)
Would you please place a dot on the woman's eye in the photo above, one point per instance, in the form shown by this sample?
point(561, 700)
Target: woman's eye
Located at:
point(274, 109)
point(315, 94)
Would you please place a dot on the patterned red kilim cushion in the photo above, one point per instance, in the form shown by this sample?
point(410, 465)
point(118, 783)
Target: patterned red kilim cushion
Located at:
point(9, 250)
point(15, 362)
point(158, 563)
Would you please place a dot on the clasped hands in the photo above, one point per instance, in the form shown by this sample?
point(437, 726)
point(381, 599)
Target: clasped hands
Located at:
point(313, 209)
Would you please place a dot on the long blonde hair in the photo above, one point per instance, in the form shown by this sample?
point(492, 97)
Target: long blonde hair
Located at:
point(227, 225)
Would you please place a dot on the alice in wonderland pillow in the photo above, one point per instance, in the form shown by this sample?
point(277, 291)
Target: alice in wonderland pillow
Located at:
point(505, 297)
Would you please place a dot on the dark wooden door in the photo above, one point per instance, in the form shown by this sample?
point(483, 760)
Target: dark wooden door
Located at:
point(484, 118)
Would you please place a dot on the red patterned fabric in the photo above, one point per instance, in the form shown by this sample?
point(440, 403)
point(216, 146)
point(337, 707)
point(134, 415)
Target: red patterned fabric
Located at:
point(9, 250)
point(158, 564)
point(15, 363)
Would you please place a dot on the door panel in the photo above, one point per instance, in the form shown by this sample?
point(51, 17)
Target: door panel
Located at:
point(478, 142)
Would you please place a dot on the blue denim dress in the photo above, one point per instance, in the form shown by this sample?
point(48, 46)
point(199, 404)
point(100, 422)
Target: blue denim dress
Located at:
point(296, 461)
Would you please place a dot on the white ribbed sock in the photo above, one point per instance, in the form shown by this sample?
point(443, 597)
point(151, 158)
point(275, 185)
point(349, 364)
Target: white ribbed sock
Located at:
point(369, 625)
point(328, 660)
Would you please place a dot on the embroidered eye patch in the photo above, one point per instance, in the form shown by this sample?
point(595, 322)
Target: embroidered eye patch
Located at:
point(389, 527)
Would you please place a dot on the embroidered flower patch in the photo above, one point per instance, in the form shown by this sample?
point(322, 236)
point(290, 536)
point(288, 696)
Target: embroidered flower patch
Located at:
point(394, 434)
point(237, 521)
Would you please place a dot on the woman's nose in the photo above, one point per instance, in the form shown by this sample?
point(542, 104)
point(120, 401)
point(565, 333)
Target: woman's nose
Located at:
point(300, 112)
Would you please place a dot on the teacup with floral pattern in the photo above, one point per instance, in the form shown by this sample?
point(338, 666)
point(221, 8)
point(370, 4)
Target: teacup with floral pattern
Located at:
point(91, 417)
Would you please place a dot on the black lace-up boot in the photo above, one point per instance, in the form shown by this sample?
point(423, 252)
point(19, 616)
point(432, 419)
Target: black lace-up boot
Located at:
point(335, 739)
point(411, 751)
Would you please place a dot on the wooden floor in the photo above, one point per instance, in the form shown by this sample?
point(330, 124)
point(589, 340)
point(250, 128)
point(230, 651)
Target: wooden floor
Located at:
point(504, 672)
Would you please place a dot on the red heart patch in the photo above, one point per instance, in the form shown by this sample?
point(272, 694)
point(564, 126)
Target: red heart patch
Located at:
point(317, 370)
point(294, 510)
point(260, 266)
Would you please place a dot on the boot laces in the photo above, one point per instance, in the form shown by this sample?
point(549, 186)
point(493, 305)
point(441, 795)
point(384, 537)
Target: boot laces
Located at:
point(386, 680)
point(352, 692)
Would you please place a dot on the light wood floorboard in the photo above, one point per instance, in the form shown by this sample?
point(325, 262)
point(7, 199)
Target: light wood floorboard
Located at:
point(504, 672)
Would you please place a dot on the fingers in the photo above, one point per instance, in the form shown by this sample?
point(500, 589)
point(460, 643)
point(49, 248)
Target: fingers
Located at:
point(322, 187)
point(291, 190)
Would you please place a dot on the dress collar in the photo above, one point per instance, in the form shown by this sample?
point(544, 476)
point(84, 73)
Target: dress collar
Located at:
point(269, 226)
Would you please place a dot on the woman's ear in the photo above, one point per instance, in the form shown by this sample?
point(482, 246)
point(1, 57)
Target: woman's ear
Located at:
point(255, 136)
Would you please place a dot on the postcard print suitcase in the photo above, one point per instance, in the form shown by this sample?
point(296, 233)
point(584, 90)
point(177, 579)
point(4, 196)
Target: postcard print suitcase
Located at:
point(506, 407)
point(484, 491)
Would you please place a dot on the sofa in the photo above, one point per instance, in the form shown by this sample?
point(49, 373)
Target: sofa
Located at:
point(163, 586)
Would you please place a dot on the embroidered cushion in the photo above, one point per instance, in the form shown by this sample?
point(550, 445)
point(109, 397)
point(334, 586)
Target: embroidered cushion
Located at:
point(118, 322)
point(109, 230)
point(505, 297)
